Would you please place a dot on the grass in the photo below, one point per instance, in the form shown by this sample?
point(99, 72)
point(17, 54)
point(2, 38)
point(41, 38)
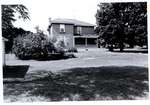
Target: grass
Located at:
point(94, 83)
point(144, 51)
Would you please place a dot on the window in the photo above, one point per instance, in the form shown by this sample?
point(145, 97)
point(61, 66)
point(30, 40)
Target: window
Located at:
point(79, 30)
point(62, 28)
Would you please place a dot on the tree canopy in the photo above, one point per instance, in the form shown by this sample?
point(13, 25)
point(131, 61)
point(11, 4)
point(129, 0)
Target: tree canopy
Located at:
point(8, 17)
point(122, 23)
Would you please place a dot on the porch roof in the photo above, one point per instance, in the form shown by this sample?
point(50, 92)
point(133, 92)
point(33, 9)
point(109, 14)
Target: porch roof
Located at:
point(86, 36)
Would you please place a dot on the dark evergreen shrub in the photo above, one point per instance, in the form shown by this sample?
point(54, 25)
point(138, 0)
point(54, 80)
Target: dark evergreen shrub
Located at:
point(72, 49)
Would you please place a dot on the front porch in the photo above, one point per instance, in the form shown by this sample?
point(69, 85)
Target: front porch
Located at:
point(85, 41)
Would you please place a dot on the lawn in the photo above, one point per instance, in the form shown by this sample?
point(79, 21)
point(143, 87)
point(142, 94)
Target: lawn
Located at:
point(94, 75)
point(94, 57)
point(80, 84)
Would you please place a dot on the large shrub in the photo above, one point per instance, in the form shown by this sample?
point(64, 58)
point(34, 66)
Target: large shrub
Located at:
point(32, 46)
point(60, 46)
point(38, 47)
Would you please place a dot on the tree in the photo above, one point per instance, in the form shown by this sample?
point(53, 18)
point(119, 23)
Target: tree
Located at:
point(8, 17)
point(122, 23)
point(8, 14)
point(11, 34)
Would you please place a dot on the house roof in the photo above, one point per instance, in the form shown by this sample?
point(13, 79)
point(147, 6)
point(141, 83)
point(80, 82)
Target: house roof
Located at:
point(71, 21)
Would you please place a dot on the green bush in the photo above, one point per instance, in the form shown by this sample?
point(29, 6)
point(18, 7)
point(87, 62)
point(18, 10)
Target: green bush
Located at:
point(32, 46)
point(60, 46)
point(36, 46)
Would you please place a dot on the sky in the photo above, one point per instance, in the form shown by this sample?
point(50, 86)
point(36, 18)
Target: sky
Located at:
point(41, 10)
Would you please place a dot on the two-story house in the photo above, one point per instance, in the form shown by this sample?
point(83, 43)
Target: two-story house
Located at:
point(73, 32)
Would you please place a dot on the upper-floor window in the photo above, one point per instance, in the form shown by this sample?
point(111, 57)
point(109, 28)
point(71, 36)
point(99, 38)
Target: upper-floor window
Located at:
point(79, 30)
point(62, 28)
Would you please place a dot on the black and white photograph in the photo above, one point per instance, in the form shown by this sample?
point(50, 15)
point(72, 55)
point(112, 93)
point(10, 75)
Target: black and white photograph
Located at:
point(74, 50)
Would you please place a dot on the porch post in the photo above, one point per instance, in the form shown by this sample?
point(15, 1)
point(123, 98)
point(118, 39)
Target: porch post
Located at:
point(85, 41)
point(73, 41)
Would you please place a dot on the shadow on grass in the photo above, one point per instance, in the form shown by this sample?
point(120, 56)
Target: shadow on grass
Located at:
point(92, 83)
point(145, 51)
point(55, 56)
point(17, 71)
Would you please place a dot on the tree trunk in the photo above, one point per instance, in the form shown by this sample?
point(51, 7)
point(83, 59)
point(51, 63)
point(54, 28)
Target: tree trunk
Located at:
point(121, 47)
point(131, 46)
point(111, 48)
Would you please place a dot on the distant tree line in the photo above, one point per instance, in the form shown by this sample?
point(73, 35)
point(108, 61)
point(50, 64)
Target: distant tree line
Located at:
point(120, 24)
